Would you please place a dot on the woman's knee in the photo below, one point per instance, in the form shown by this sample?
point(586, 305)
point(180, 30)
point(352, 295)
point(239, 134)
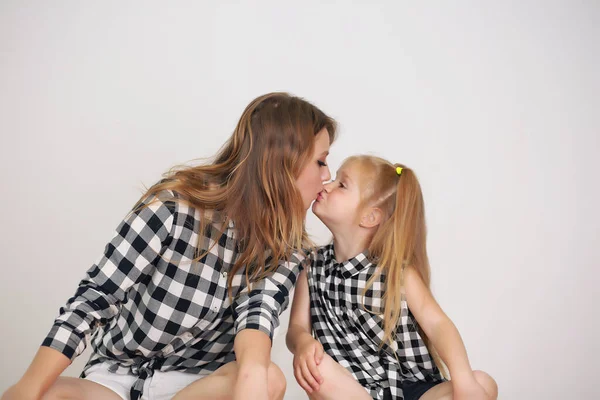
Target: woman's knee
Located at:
point(487, 382)
point(64, 389)
point(276, 382)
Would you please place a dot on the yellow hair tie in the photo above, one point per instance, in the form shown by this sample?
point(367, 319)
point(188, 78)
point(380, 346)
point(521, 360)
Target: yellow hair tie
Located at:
point(399, 170)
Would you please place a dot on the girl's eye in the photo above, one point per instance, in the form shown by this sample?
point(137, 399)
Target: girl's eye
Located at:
point(322, 163)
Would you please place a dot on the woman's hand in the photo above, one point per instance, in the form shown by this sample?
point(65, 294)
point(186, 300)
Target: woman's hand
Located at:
point(21, 391)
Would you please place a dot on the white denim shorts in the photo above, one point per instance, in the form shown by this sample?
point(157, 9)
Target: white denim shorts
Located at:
point(160, 386)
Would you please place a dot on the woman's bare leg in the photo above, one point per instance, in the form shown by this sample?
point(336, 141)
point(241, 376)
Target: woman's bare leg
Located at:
point(219, 385)
point(66, 388)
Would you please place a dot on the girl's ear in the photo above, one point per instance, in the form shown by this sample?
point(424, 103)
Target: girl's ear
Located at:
point(371, 218)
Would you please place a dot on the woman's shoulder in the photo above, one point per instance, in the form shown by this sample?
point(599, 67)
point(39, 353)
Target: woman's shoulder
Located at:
point(164, 198)
point(169, 203)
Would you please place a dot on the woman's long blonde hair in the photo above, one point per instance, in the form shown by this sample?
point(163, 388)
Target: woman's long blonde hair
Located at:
point(401, 238)
point(252, 180)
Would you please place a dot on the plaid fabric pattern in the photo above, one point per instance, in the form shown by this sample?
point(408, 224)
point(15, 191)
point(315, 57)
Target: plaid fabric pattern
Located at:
point(147, 307)
point(352, 336)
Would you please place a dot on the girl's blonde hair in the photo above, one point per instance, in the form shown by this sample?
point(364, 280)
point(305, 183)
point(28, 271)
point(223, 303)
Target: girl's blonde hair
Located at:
point(252, 180)
point(400, 239)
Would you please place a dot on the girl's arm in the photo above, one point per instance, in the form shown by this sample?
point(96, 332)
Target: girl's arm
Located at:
point(299, 325)
point(308, 352)
point(439, 328)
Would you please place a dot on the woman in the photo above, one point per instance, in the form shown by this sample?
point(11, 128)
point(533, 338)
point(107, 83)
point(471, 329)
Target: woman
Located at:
point(189, 290)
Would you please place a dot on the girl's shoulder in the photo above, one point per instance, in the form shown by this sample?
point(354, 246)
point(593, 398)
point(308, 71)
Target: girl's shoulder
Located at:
point(318, 256)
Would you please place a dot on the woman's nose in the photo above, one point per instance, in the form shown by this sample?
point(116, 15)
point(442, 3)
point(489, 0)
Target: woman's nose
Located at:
point(326, 175)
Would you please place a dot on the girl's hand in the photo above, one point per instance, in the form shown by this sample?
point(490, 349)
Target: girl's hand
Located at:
point(470, 390)
point(309, 354)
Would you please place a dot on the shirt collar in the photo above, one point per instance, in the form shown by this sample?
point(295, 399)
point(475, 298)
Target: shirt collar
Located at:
point(354, 265)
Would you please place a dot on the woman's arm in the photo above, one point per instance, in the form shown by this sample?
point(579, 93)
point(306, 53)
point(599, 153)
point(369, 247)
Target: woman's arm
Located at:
point(256, 315)
point(46, 367)
point(127, 259)
point(253, 355)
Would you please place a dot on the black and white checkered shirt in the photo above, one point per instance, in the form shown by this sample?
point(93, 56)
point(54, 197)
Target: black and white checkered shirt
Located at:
point(352, 336)
point(150, 308)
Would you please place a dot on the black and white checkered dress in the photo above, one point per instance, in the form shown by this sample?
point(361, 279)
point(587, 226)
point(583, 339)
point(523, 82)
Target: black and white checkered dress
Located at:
point(352, 336)
point(151, 309)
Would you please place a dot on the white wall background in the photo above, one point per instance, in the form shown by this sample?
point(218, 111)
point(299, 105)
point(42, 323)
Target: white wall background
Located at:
point(494, 104)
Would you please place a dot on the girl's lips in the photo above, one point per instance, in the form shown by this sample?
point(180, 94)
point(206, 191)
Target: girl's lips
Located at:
point(319, 196)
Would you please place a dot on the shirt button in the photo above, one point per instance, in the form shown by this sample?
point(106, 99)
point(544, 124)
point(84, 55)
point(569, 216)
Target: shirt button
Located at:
point(187, 335)
point(214, 309)
point(224, 274)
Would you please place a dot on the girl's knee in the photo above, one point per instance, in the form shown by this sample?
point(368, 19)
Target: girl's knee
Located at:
point(330, 374)
point(488, 383)
point(328, 365)
point(276, 381)
point(330, 368)
point(338, 382)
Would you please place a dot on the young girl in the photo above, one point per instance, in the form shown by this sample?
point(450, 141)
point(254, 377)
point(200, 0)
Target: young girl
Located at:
point(367, 298)
point(170, 300)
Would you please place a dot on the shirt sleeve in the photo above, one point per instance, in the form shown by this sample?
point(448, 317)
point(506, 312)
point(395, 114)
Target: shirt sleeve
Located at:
point(137, 243)
point(260, 308)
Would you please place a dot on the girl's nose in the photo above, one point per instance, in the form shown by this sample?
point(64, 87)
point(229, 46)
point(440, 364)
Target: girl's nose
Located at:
point(328, 186)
